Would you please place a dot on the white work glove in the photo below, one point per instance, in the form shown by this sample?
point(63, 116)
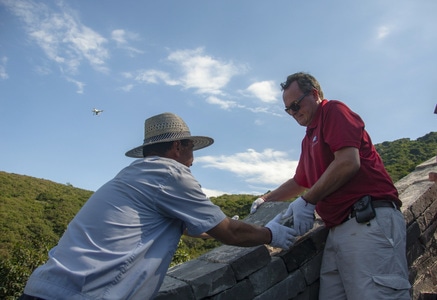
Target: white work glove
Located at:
point(257, 203)
point(282, 236)
point(303, 215)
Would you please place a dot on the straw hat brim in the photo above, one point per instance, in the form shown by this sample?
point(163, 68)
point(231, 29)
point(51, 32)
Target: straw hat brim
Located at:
point(199, 142)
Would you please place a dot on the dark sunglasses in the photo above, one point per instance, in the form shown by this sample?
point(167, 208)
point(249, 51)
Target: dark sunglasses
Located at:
point(294, 106)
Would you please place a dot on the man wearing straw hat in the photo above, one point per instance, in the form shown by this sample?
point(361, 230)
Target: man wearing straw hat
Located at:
point(121, 242)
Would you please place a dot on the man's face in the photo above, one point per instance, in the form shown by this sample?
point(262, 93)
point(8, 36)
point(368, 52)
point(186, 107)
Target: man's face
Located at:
point(307, 105)
point(186, 154)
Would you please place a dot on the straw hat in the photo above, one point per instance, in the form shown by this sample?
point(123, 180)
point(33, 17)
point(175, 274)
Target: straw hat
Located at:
point(167, 127)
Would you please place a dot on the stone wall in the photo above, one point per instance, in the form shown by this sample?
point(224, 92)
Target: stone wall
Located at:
point(263, 272)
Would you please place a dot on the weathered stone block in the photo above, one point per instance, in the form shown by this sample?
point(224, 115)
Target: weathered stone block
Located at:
point(268, 276)
point(310, 293)
point(408, 216)
point(430, 214)
point(243, 290)
point(421, 204)
point(302, 251)
point(288, 288)
point(428, 236)
point(243, 261)
point(318, 236)
point(173, 288)
point(414, 251)
point(266, 212)
point(413, 234)
point(311, 269)
point(205, 278)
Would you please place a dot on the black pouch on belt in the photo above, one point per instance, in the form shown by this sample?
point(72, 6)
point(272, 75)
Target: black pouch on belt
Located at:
point(363, 209)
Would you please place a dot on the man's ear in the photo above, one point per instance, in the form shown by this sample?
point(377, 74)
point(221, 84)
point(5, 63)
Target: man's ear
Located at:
point(177, 145)
point(174, 151)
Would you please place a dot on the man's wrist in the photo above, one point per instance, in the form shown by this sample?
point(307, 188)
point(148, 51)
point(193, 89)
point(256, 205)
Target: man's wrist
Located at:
point(271, 235)
point(306, 201)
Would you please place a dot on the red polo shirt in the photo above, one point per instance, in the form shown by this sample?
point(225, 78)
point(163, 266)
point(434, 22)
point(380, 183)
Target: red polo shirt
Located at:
point(335, 126)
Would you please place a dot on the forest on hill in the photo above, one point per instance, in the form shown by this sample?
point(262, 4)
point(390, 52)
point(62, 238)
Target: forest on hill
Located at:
point(35, 212)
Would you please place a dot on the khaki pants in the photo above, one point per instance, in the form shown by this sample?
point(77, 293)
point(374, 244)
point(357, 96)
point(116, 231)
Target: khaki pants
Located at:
point(366, 261)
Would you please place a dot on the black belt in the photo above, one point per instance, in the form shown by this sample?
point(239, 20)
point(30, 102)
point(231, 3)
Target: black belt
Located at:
point(375, 204)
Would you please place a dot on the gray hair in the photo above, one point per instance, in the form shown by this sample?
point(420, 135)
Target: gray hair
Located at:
point(305, 81)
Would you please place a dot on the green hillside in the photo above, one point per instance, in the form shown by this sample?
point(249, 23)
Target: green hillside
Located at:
point(35, 212)
point(402, 156)
point(33, 215)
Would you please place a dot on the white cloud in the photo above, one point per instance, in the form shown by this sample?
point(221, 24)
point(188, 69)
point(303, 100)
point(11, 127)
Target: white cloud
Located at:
point(3, 73)
point(382, 32)
point(155, 76)
point(127, 87)
point(213, 193)
point(209, 76)
point(266, 91)
point(222, 103)
point(121, 37)
point(202, 72)
point(118, 35)
point(259, 122)
point(61, 35)
point(267, 167)
point(42, 69)
point(127, 75)
point(80, 85)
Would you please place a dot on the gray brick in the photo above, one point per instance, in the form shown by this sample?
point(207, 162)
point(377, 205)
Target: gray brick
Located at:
point(266, 277)
point(318, 236)
point(241, 291)
point(428, 236)
point(421, 204)
point(243, 261)
point(414, 251)
point(311, 269)
point(302, 251)
point(408, 216)
point(173, 288)
point(310, 293)
point(266, 212)
point(430, 214)
point(205, 278)
point(413, 234)
point(288, 288)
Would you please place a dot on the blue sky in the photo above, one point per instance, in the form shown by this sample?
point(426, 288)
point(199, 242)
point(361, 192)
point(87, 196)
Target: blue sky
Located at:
point(217, 64)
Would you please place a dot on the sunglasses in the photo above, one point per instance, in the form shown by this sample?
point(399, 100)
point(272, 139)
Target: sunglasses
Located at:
point(295, 105)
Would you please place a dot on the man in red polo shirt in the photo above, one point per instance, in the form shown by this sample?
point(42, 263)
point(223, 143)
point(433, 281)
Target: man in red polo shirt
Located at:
point(342, 177)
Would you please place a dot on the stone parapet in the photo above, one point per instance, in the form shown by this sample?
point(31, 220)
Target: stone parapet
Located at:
point(263, 272)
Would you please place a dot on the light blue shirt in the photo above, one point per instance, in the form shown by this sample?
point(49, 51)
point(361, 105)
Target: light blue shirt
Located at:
point(121, 242)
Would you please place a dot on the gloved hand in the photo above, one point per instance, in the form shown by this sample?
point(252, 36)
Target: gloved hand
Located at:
point(303, 215)
point(282, 236)
point(257, 203)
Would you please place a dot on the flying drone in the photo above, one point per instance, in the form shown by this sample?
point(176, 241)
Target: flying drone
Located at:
point(96, 111)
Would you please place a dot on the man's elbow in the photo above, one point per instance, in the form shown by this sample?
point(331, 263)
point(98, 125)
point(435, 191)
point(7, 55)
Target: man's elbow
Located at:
point(354, 166)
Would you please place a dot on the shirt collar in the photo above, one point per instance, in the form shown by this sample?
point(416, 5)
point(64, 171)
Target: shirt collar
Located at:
point(316, 117)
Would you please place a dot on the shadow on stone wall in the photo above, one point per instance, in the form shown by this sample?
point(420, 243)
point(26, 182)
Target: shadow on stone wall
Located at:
point(263, 272)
